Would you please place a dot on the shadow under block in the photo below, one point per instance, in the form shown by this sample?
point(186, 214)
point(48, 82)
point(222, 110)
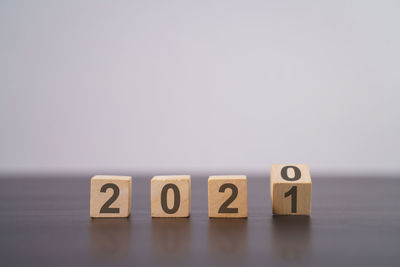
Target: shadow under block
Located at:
point(291, 189)
point(227, 196)
point(110, 196)
point(170, 196)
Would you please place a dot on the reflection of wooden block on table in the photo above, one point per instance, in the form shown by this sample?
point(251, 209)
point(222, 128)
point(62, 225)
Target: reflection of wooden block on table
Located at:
point(227, 196)
point(291, 189)
point(110, 196)
point(170, 196)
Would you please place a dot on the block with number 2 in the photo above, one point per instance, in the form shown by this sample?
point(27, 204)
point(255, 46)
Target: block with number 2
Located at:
point(227, 196)
point(110, 196)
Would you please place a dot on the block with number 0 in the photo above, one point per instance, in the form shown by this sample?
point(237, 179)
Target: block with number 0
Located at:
point(170, 196)
point(227, 196)
point(291, 189)
point(110, 196)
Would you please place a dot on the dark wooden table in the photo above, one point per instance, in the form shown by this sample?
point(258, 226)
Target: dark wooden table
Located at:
point(44, 221)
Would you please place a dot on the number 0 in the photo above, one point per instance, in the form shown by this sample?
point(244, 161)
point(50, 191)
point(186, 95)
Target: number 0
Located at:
point(177, 198)
point(297, 173)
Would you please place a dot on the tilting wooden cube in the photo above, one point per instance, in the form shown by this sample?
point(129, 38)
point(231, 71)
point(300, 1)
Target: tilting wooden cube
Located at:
point(227, 196)
point(170, 196)
point(291, 189)
point(110, 196)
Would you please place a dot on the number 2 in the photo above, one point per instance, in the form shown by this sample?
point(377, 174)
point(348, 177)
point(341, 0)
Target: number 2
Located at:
point(224, 207)
point(106, 207)
point(293, 192)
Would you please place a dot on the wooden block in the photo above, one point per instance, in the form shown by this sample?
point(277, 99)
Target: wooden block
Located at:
point(290, 189)
point(227, 196)
point(170, 196)
point(110, 196)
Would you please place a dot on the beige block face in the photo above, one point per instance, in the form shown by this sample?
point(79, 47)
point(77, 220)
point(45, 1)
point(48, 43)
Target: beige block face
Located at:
point(170, 196)
point(110, 196)
point(291, 189)
point(227, 196)
point(291, 199)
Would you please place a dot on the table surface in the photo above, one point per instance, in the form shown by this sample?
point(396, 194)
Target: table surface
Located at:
point(45, 221)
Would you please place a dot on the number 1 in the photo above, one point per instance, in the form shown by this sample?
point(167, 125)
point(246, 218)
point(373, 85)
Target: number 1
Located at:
point(293, 192)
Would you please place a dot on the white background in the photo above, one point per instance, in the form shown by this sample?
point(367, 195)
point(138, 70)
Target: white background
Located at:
point(199, 85)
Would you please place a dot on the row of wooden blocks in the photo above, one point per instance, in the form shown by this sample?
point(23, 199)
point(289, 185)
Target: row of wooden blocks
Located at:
point(110, 196)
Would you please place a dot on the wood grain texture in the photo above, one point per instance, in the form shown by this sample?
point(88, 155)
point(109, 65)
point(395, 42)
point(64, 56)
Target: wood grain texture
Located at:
point(182, 182)
point(216, 198)
point(284, 190)
point(98, 198)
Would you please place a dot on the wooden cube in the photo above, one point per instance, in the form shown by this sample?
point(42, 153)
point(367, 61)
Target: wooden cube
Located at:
point(290, 189)
point(227, 196)
point(110, 196)
point(170, 196)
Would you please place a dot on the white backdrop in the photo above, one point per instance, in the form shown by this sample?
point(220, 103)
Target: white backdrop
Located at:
point(199, 85)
